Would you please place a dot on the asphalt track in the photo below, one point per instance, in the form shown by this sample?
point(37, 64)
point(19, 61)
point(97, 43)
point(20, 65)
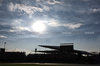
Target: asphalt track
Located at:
point(57, 64)
point(62, 64)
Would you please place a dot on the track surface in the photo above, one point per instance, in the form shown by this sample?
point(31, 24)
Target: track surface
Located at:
point(48, 64)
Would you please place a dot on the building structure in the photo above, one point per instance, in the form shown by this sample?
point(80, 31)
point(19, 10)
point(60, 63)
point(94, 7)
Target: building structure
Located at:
point(65, 53)
point(12, 56)
point(63, 48)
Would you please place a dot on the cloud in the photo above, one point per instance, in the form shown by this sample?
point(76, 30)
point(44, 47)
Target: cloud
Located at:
point(52, 2)
point(68, 25)
point(12, 30)
point(46, 8)
point(86, 0)
point(16, 29)
point(21, 28)
point(2, 36)
point(1, 2)
point(16, 22)
point(95, 10)
point(37, 0)
point(4, 26)
point(72, 26)
point(55, 24)
point(24, 8)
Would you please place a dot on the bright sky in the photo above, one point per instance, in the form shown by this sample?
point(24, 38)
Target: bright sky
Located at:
point(25, 24)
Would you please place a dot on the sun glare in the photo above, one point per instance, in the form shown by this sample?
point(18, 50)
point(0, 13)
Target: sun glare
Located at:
point(38, 26)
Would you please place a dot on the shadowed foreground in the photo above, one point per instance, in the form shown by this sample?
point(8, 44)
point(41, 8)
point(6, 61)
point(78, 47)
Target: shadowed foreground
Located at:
point(64, 53)
point(42, 64)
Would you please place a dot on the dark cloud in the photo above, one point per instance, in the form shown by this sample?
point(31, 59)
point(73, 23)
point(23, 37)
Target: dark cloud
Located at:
point(2, 27)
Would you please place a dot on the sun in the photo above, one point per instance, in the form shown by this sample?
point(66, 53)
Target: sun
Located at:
point(38, 26)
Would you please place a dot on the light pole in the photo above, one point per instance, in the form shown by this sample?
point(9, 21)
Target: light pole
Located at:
point(35, 50)
point(4, 45)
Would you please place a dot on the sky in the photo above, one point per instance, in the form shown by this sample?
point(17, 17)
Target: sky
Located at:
point(25, 24)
